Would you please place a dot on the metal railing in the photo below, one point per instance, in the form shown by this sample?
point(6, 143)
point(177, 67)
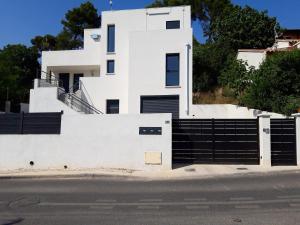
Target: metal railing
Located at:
point(76, 103)
point(69, 98)
point(49, 81)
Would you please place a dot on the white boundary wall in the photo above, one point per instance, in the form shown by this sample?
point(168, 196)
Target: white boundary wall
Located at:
point(227, 111)
point(92, 141)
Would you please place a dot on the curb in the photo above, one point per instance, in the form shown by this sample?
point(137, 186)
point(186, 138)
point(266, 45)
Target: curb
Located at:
point(146, 178)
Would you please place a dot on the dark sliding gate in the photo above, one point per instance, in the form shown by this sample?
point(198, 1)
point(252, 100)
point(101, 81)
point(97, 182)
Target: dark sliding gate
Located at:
point(283, 142)
point(215, 141)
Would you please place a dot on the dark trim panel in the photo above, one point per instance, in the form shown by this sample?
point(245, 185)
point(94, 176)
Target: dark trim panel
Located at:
point(30, 123)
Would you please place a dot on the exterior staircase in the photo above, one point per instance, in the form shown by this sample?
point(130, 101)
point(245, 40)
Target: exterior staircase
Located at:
point(75, 100)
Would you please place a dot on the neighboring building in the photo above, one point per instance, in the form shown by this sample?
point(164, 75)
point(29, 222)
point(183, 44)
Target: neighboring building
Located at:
point(288, 40)
point(139, 61)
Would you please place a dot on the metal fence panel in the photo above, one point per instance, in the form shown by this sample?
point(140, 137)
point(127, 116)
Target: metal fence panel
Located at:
point(219, 141)
point(30, 123)
point(283, 142)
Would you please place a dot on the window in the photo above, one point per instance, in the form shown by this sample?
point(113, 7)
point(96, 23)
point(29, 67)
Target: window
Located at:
point(111, 38)
point(112, 106)
point(175, 24)
point(172, 70)
point(110, 67)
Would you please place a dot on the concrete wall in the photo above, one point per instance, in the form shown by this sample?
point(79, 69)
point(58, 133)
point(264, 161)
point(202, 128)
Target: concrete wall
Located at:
point(45, 100)
point(223, 111)
point(253, 57)
point(110, 141)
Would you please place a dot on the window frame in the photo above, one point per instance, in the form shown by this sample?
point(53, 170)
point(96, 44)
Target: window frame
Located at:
point(166, 70)
point(172, 22)
point(107, 66)
point(109, 39)
point(108, 109)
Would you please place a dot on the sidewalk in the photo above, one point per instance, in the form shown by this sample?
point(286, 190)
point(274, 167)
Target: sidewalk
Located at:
point(185, 172)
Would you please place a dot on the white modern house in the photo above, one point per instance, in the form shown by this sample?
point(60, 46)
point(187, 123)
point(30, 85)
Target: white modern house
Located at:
point(288, 40)
point(139, 61)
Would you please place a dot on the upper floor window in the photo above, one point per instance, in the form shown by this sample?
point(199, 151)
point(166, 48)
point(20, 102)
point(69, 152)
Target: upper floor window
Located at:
point(172, 69)
point(110, 67)
point(175, 24)
point(111, 38)
point(112, 106)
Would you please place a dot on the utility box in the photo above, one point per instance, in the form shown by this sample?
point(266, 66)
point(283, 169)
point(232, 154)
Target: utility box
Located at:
point(153, 158)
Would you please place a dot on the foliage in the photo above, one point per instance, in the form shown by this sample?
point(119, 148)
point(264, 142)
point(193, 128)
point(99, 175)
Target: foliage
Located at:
point(18, 65)
point(78, 19)
point(244, 28)
point(236, 76)
point(71, 36)
point(44, 43)
point(209, 61)
point(276, 85)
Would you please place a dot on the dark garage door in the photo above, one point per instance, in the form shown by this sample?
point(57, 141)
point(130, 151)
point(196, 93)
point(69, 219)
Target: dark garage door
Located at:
point(160, 104)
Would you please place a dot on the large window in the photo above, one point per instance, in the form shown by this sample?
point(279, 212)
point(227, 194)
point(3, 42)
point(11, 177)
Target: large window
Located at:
point(110, 66)
point(172, 69)
point(111, 38)
point(175, 24)
point(112, 106)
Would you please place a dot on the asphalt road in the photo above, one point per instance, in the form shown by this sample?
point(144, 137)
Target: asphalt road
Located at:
point(250, 199)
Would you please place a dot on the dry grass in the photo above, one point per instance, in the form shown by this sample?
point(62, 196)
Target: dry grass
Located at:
point(213, 97)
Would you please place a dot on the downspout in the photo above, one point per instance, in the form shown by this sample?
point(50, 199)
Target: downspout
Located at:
point(188, 47)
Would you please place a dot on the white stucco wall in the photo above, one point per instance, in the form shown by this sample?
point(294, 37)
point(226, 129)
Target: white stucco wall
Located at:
point(84, 60)
point(226, 111)
point(103, 141)
point(45, 100)
point(147, 75)
point(253, 57)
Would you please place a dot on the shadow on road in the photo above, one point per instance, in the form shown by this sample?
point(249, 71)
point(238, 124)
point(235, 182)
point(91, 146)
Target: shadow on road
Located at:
point(15, 221)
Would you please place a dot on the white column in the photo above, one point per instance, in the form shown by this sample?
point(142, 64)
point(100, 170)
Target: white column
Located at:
point(297, 116)
point(36, 83)
point(265, 140)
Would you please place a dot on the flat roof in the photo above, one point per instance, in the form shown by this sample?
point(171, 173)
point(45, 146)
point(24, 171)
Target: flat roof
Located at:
point(146, 9)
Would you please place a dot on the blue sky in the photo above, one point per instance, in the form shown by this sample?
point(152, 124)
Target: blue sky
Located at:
point(20, 20)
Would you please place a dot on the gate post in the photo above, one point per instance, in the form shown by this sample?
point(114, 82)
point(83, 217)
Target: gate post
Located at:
point(297, 118)
point(265, 139)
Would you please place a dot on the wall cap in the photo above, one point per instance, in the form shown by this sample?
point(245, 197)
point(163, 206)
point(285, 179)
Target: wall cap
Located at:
point(264, 115)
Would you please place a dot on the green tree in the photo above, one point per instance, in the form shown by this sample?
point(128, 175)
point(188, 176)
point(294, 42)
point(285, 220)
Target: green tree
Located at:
point(244, 28)
point(276, 84)
point(78, 19)
point(71, 37)
point(18, 65)
point(208, 61)
point(44, 43)
point(237, 76)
